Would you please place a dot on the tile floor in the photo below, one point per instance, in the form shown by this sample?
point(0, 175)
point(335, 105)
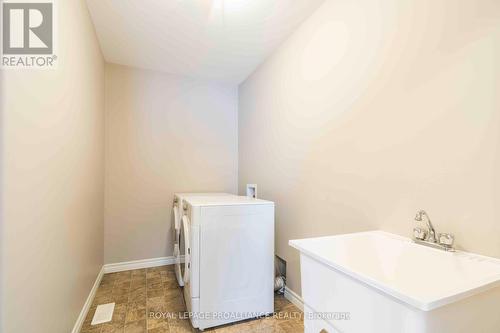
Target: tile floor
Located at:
point(138, 293)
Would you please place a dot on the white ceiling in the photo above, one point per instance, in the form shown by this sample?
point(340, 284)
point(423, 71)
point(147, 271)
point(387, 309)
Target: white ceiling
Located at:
point(213, 39)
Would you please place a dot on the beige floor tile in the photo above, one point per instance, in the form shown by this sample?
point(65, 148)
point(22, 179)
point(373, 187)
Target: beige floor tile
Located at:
point(280, 302)
point(155, 309)
point(103, 291)
point(121, 290)
point(180, 326)
point(120, 299)
point(160, 329)
point(136, 327)
point(140, 304)
point(156, 300)
point(168, 275)
point(123, 275)
point(138, 281)
point(271, 329)
point(156, 321)
point(155, 285)
point(153, 280)
point(291, 326)
point(109, 276)
point(153, 293)
point(113, 328)
point(122, 281)
point(137, 295)
point(135, 314)
point(153, 275)
point(137, 284)
point(170, 284)
point(161, 268)
point(175, 304)
point(105, 284)
point(173, 293)
point(91, 330)
point(122, 284)
point(267, 321)
point(137, 272)
point(119, 314)
point(103, 299)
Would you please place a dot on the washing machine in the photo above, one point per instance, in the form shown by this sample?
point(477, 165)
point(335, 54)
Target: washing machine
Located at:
point(229, 259)
point(177, 226)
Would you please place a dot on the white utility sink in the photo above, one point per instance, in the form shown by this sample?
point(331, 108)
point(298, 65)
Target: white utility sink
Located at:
point(380, 282)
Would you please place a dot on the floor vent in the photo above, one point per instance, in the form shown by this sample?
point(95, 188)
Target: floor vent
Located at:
point(103, 313)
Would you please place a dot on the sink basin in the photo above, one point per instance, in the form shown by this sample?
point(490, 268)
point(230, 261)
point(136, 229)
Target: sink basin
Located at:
point(387, 283)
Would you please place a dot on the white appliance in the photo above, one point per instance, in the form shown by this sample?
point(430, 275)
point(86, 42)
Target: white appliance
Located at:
point(229, 259)
point(177, 226)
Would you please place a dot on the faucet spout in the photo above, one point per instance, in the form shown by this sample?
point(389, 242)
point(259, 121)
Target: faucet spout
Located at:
point(431, 231)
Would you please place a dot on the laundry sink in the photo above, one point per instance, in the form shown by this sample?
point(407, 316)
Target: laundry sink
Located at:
point(374, 282)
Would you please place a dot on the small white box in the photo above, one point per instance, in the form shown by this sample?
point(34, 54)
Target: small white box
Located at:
point(252, 191)
point(103, 313)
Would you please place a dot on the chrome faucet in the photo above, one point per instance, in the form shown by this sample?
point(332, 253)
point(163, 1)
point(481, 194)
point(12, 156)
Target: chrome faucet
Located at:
point(431, 232)
point(428, 237)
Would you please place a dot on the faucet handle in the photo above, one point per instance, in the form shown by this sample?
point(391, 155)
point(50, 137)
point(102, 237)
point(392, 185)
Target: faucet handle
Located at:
point(446, 240)
point(419, 233)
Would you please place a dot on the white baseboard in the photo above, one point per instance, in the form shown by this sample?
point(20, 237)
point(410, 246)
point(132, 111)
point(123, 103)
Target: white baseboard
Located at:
point(294, 298)
point(88, 303)
point(138, 264)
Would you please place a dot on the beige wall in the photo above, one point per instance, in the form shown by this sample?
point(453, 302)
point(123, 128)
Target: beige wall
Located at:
point(164, 134)
point(52, 168)
point(372, 110)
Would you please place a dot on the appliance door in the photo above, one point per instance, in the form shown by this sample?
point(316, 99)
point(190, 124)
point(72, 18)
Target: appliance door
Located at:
point(177, 221)
point(236, 263)
point(186, 267)
point(177, 243)
point(191, 266)
point(189, 270)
